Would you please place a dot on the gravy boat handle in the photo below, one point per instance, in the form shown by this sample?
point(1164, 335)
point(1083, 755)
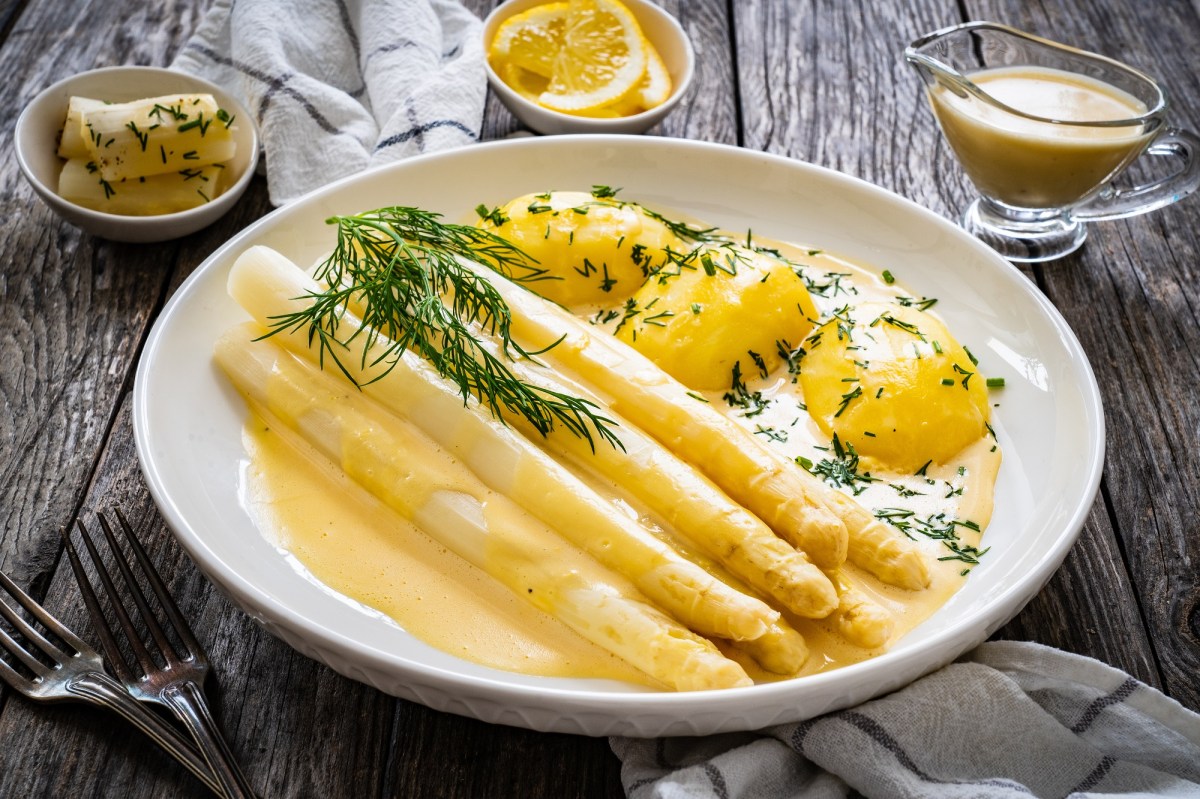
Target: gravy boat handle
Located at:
point(1113, 202)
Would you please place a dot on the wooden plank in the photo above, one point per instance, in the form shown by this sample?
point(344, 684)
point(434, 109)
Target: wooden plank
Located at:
point(1070, 613)
point(476, 759)
point(73, 308)
point(826, 83)
point(1131, 296)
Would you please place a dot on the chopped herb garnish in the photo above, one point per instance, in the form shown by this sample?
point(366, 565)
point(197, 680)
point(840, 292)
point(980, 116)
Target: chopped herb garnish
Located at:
point(967, 374)
point(847, 399)
point(142, 136)
point(840, 471)
point(771, 433)
point(493, 215)
point(937, 526)
point(923, 304)
point(739, 396)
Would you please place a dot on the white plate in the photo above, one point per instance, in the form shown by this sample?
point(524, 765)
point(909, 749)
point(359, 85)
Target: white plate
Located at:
point(188, 422)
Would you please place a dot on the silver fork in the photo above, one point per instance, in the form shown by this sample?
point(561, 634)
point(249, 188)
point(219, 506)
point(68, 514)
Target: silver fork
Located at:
point(78, 675)
point(178, 684)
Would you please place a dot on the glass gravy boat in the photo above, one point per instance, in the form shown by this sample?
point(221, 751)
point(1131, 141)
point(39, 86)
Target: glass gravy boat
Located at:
point(1042, 130)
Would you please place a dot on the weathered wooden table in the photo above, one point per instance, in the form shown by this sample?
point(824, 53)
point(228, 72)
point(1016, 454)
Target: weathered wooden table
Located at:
point(818, 80)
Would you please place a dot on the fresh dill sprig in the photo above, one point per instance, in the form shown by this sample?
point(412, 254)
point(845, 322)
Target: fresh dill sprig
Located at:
point(401, 267)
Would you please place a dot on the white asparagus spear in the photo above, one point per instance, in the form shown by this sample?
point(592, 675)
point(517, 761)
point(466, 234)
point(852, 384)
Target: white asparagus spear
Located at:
point(691, 505)
point(72, 143)
point(157, 135)
point(860, 620)
point(754, 476)
point(410, 473)
point(268, 285)
point(650, 474)
point(878, 549)
point(81, 184)
point(781, 650)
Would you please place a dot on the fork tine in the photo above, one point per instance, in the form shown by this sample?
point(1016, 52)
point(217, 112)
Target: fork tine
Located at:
point(52, 624)
point(19, 652)
point(79, 676)
point(135, 640)
point(26, 629)
point(160, 589)
point(107, 642)
point(12, 677)
point(135, 590)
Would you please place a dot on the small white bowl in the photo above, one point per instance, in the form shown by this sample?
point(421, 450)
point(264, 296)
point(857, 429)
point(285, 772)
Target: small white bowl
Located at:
point(659, 27)
point(41, 122)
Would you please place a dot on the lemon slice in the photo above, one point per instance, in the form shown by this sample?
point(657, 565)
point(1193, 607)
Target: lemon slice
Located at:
point(530, 40)
point(652, 92)
point(603, 57)
point(656, 87)
point(524, 82)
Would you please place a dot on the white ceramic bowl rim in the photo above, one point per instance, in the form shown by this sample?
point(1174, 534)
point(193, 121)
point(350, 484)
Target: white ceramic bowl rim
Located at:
point(592, 700)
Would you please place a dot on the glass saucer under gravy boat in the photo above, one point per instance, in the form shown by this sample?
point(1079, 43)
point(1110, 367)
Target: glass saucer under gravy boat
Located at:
point(1042, 129)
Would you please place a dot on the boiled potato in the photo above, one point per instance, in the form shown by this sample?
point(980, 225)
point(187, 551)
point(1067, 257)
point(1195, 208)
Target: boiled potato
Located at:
point(724, 305)
point(595, 250)
point(891, 381)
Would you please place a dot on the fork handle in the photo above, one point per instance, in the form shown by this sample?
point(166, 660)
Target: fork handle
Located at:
point(187, 700)
point(100, 689)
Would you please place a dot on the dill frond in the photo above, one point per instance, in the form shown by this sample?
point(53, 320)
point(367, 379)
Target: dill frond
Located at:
point(401, 266)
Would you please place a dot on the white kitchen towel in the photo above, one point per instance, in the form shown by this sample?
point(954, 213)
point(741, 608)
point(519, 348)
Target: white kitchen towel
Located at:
point(338, 86)
point(1007, 720)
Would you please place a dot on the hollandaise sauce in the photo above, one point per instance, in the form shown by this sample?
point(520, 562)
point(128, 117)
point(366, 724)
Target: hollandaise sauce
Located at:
point(1027, 161)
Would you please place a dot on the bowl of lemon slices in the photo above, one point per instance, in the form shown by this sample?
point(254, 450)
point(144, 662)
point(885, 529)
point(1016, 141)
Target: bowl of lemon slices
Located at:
point(587, 66)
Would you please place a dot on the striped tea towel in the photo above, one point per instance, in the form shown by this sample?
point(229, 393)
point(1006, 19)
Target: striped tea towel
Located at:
point(338, 86)
point(1008, 720)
